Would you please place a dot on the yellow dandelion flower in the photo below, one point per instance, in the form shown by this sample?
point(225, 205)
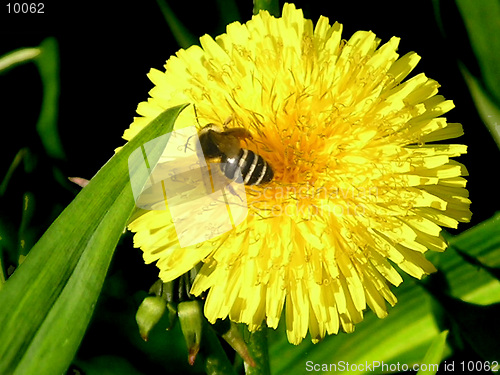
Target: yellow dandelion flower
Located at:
point(357, 188)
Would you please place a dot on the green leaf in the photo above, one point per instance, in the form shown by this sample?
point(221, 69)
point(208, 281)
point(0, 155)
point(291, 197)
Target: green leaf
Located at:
point(468, 294)
point(464, 280)
point(481, 241)
point(48, 65)
point(406, 333)
point(476, 324)
point(180, 32)
point(482, 21)
point(487, 109)
point(272, 6)
point(46, 58)
point(46, 305)
point(434, 355)
point(477, 262)
point(17, 57)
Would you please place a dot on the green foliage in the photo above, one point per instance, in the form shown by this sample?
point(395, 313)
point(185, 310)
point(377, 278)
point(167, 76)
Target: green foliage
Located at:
point(435, 353)
point(488, 110)
point(482, 21)
point(47, 304)
point(227, 10)
point(17, 57)
point(180, 32)
point(257, 344)
point(48, 66)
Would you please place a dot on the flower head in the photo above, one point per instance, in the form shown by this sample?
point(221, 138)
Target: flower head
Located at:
point(358, 189)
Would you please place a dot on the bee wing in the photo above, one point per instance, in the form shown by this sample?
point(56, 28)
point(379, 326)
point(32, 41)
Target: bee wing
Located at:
point(173, 186)
point(205, 216)
point(180, 173)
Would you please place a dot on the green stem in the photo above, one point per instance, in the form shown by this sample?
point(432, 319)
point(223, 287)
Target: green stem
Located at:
point(257, 346)
point(17, 57)
point(486, 107)
point(48, 66)
point(181, 34)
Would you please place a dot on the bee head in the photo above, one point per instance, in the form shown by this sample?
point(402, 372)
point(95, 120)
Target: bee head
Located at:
point(208, 141)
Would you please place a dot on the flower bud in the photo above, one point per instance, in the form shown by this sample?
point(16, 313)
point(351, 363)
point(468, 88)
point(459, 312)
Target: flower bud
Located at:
point(191, 319)
point(149, 313)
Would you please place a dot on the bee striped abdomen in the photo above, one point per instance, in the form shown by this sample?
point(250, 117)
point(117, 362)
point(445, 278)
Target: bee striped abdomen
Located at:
point(254, 169)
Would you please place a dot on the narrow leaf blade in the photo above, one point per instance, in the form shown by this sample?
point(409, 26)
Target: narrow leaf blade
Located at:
point(17, 57)
point(180, 32)
point(47, 303)
point(486, 107)
point(482, 21)
point(434, 355)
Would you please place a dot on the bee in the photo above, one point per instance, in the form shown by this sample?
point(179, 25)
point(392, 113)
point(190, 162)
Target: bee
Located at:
point(224, 144)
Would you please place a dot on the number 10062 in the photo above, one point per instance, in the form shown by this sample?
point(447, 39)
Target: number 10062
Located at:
point(34, 8)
